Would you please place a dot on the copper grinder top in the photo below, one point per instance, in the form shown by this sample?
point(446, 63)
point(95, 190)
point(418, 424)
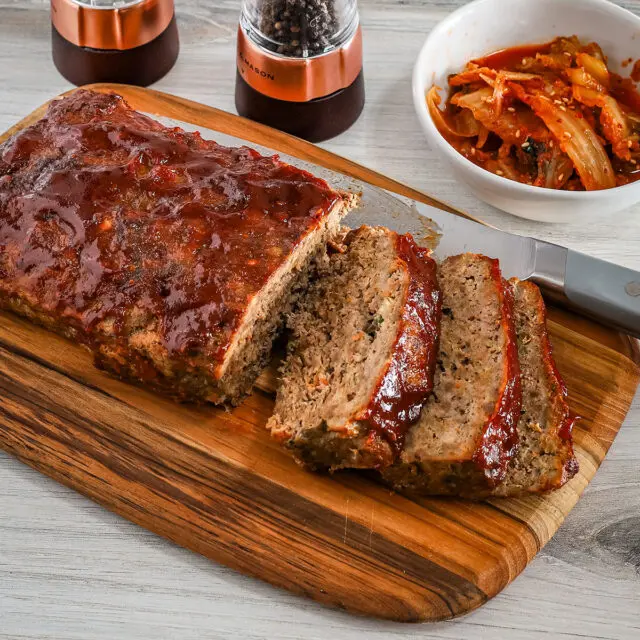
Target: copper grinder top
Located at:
point(111, 24)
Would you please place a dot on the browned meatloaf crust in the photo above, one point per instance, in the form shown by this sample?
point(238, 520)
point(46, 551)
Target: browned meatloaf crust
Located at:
point(362, 356)
point(466, 435)
point(173, 259)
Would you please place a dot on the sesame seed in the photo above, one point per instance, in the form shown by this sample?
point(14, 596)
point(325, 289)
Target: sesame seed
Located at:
point(566, 134)
point(524, 145)
point(560, 177)
point(630, 143)
point(498, 172)
point(473, 151)
point(511, 109)
point(518, 133)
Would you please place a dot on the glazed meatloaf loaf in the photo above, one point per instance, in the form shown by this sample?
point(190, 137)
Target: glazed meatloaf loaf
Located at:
point(466, 435)
point(173, 259)
point(362, 354)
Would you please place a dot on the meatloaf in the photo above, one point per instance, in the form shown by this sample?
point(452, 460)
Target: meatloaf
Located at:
point(362, 354)
point(172, 258)
point(545, 458)
point(466, 435)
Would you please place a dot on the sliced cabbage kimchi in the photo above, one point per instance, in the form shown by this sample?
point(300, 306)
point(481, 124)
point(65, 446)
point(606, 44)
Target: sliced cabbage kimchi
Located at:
point(550, 115)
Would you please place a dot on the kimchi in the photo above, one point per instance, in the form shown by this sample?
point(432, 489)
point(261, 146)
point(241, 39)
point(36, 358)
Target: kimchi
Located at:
point(551, 115)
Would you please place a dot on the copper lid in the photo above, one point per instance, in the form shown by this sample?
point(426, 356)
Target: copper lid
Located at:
point(299, 79)
point(130, 25)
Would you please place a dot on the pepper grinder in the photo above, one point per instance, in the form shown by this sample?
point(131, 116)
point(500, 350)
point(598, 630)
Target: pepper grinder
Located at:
point(299, 66)
point(127, 41)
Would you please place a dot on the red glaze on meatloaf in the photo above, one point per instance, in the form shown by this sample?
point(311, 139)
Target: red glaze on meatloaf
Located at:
point(406, 383)
point(545, 458)
point(155, 248)
point(499, 440)
point(466, 434)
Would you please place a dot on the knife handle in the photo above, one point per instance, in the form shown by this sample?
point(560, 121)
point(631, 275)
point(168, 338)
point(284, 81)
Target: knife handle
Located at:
point(603, 290)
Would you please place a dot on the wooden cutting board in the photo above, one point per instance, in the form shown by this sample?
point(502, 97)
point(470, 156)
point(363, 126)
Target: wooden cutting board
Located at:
point(213, 481)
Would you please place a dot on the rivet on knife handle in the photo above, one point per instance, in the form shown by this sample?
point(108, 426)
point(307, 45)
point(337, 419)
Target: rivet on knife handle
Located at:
point(603, 290)
point(607, 291)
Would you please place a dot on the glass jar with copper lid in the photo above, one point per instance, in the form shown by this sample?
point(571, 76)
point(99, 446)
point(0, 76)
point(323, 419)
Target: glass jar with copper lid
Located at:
point(300, 65)
point(128, 41)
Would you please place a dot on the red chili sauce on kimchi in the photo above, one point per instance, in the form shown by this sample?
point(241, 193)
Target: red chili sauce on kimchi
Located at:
point(550, 115)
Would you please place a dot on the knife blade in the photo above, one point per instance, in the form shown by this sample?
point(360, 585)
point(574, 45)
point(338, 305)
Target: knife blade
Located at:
point(602, 290)
point(596, 288)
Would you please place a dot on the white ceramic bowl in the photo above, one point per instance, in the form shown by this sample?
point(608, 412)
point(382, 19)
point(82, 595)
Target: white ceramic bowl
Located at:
point(484, 26)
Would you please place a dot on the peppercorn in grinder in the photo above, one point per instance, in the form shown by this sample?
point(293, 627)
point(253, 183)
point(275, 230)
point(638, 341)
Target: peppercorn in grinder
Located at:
point(300, 66)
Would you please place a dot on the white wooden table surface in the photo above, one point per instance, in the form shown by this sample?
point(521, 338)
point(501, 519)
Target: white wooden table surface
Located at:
point(70, 569)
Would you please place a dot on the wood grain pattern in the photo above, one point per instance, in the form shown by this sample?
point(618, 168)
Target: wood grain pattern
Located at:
point(213, 481)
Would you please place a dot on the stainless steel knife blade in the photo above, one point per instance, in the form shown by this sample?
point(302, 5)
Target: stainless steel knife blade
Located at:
point(447, 233)
point(602, 290)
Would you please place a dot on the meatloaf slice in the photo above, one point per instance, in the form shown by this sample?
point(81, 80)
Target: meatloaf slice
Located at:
point(545, 458)
point(172, 258)
point(362, 355)
point(466, 434)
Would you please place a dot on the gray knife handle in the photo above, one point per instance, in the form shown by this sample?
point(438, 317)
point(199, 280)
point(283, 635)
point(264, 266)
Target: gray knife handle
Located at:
point(606, 291)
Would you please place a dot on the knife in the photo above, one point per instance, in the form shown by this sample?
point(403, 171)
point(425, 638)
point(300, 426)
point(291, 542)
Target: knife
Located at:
point(601, 290)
